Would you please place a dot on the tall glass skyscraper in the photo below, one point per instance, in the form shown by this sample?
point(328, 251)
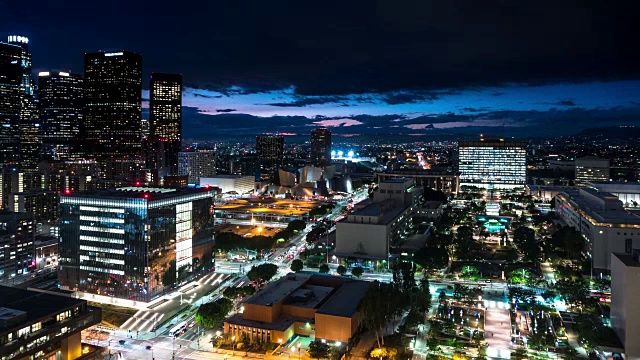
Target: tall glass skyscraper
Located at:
point(10, 76)
point(270, 151)
point(61, 98)
point(132, 243)
point(321, 146)
point(492, 163)
point(113, 93)
point(165, 122)
point(28, 128)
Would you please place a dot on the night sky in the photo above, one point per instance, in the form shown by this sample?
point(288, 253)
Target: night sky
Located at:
point(411, 67)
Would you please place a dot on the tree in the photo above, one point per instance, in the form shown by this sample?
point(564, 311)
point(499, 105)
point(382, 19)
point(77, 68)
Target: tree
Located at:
point(296, 265)
point(264, 272)
point(341, 270)
point(602, 285)
point(357, 271)
point(432, 257)
point(211, 314)
point(381, 303)
point(324, 268)
point(569, 352)
point(297, 225)
point(525, 239)
point(574, 292)
point(318, 350)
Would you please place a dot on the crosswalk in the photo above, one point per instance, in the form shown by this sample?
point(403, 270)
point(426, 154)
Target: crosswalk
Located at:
point(148, 319)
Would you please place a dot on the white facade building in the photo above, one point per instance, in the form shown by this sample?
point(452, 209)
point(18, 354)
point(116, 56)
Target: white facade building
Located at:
point(370, 231)
point(228, 183)
point(627, 192)
point(604, 223)
point(625, 292)
point(492, 163)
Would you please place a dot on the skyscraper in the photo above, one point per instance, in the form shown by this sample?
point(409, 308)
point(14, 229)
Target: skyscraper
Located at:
point(113, 83)
point(165, 122)
point(270, 151)
point(10, 75)
point(61, 98)
point(321, 146)
point(28, 126)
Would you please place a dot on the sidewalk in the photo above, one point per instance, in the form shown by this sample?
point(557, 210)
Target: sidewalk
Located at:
point(497, 332)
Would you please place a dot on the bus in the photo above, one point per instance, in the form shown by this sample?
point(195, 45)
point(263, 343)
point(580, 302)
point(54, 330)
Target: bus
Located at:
point(178, 329)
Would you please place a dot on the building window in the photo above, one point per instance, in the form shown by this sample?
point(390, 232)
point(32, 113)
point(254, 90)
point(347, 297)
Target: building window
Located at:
point(628, 244)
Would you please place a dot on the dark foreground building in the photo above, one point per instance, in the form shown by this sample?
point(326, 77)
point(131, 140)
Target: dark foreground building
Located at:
point(35, 325)
point(133, 243)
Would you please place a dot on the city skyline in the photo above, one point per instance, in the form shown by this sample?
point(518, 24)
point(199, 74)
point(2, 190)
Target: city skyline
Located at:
point(417, 69)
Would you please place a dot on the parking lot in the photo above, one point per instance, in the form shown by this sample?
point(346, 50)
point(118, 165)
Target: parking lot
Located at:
point(248, 230)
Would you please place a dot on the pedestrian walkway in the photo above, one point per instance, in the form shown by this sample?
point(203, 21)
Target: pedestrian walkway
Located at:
point(497, 333)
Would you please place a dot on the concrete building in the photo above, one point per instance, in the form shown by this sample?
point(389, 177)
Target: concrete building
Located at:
point(431, 210)
point(321, 307)
point(132, 243)
point(441, 180)
point(591, 168)
point(17, 250)
point(625, 292)
point(369, 232)
point(197, 164)
point(36, 325)
point(228, 183)
point(321, 146)
point(492, 163)
point(627, 192)
point(604, 223)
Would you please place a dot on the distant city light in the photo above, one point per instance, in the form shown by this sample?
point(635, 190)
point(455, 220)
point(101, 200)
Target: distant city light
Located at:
point(350, 154)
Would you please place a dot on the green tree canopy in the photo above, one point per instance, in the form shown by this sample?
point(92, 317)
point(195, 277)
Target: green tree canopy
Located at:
point(324, 268)
point(318, 350)
point(357, 271)
point(432, 257)
point(211, 314)
point(263, 271)
point(296, 265)
point(341, 270)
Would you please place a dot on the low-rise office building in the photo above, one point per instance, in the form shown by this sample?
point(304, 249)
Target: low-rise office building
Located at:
point(604, 223)
point(369, 232)
point(323, 307)
point(627, 192)
point(592, 168)
point(441, 180)
point(625, 292)
point(229, 183)
point(36, 325)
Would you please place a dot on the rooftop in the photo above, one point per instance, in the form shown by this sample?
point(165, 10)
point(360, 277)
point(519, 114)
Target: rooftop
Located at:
point(137, 192)
point(345, 301)
point(627, 259)
point(309, 296)
point(278, 290)
point(595, 210)
point(35, 304)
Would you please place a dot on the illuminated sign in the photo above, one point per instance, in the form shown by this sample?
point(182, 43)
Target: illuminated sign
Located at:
point(20, 39)
point(64, 73)
point(114, 54)
point(43, 73)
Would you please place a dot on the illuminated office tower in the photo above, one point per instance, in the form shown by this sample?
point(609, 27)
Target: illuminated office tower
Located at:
point(113, 97)
point(270, 151)
point(321, 146)
point(28, 126)
point(134, 243)
point(61, 102)
point(492, 163)
point(165, 122)
point(10, 76)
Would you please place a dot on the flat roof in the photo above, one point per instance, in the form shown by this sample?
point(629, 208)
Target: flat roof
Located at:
point(627, 259)
point(309, 296)
point(605, 216)
point(345, 301)
point(34, 303)
point(278, 290)
point(136, 192)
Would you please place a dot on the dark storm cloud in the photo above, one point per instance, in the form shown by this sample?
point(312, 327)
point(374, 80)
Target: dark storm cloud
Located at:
point(312, 100)
point(339, 47)
point(225, 110)
point(567, 102)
